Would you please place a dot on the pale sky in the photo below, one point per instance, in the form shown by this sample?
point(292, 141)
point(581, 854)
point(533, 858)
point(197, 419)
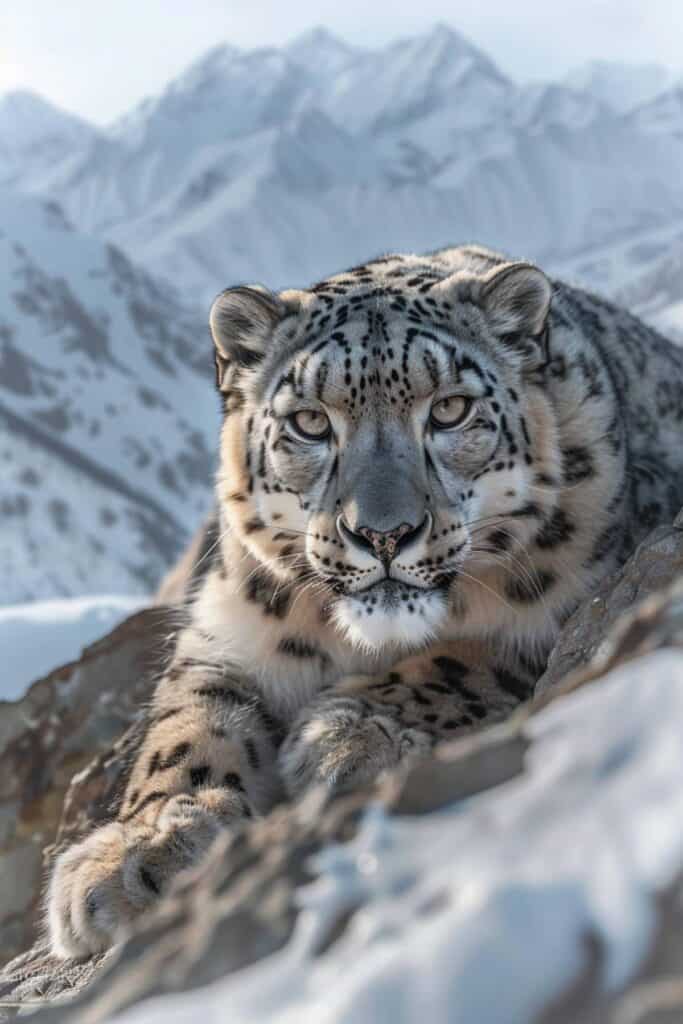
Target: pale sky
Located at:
point(99, 57)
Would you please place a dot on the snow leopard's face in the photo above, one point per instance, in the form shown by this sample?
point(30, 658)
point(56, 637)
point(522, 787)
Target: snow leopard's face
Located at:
point(376, 441)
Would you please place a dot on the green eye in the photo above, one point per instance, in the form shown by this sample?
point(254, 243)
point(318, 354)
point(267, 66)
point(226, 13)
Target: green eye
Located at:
point(450, 412)
point(310, 424)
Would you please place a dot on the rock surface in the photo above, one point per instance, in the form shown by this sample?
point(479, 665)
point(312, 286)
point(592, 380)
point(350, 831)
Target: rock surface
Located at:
point(242, 905)
point(50, 787)
point(589, 638)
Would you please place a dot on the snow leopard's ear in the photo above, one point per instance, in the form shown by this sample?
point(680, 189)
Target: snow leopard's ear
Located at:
point(242, 321)
point(516, 300)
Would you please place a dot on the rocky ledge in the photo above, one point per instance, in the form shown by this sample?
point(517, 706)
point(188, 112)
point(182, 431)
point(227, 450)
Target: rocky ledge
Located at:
point(577, 793)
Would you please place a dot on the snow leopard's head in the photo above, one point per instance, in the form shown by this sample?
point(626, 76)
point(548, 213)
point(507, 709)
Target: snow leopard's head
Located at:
point(376, 432)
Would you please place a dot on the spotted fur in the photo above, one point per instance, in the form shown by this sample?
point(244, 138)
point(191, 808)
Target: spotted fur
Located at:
point(378, 579)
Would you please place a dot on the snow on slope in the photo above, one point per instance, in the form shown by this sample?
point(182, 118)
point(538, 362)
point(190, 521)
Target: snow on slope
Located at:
point(35, 134)
point(38, 637)
point(643, 273)
point(107, 420)
point(480, 912)
point(282, 165)
point(661, 116)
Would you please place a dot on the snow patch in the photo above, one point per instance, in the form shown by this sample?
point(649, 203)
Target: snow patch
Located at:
point(39, 637)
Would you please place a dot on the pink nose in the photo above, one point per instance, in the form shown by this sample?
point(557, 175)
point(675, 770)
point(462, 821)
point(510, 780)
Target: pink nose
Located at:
point(385, 545)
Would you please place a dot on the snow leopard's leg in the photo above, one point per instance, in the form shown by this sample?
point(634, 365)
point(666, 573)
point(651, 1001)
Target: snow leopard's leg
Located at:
point(208, 761)
point(369, 725)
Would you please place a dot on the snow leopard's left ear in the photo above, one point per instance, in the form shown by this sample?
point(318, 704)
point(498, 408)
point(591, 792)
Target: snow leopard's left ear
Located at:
point(516, 300)
point(242, 322)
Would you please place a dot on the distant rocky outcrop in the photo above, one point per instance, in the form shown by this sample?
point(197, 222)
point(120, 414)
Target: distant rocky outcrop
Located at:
point(105, 391)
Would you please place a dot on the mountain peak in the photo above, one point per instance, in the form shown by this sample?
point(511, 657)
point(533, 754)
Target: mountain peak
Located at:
point(25, 104)
point(442, 32)
point(320, 51)
point(319, 36)
point(621, 86)
point(28, 120)
point(446, 51)
point(443, 37)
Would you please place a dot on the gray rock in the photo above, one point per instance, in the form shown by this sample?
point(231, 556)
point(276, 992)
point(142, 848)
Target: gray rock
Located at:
point(612, 625)
point(50, 787)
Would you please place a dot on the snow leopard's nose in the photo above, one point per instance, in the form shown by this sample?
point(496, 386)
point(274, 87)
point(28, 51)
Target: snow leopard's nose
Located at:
point(383, 544)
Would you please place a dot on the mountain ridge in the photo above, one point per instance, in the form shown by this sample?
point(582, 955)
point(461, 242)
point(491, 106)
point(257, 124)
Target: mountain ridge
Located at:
point(278, 166)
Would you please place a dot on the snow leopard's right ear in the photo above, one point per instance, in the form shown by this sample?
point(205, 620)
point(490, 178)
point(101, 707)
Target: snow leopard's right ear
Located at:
point(242, 321)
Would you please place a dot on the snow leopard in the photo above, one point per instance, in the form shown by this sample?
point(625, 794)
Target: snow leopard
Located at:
point(426, 463)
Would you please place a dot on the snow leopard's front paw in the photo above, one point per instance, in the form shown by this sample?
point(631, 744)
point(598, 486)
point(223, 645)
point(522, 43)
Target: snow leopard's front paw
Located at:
point(100, 885)
point(344, 743)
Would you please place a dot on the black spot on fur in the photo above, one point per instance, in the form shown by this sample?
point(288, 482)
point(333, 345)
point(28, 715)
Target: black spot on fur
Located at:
point(517, 688)
point(531, 511)
point(269, 592)
point(253, 525)
point(383, 730)
point(499, 540)
point(527, 591)
point(233, 781)
point(151, 798)
point(577, 465)
point(452, 670)
point(223, 693)
point(296, 648)
point(177, 755)
point(169, 713)
point(252, 755)
point(200, 775)
point(558, 529)
point(149, 881)
point(455, 673)
point(606, 542)
point(437, 688)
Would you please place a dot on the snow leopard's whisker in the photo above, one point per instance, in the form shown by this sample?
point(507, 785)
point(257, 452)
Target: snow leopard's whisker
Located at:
point(202, 558)
point(502, 555)
point(494, 593)
point(318, 586)
point(504, 560)
point(528, 581)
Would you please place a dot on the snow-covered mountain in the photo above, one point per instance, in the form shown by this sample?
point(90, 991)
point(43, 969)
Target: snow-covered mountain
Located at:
point(663, 115)
point(276, 165)
point(623, 87)
point(282, 164)
point(34, 135)
point(107, 428)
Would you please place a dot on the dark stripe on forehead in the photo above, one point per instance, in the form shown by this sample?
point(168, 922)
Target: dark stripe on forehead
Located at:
point(321, 379)
point(467, 363)
point(282, 382)
point(432, 368)
point(415, 322)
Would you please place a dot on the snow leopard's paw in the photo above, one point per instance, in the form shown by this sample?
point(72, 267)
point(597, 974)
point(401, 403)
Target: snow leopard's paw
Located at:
point(344, 743)
point(100, 885)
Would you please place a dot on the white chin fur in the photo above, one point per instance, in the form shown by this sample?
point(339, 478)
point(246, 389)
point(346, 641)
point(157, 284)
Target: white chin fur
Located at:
point(396, 626)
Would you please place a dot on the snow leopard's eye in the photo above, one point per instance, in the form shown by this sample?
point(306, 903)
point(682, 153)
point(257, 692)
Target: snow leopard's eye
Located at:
point(450, 412)
point(310, 424)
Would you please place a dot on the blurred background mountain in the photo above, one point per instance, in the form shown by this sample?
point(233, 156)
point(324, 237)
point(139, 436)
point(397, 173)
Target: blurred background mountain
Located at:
point(276, 165)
